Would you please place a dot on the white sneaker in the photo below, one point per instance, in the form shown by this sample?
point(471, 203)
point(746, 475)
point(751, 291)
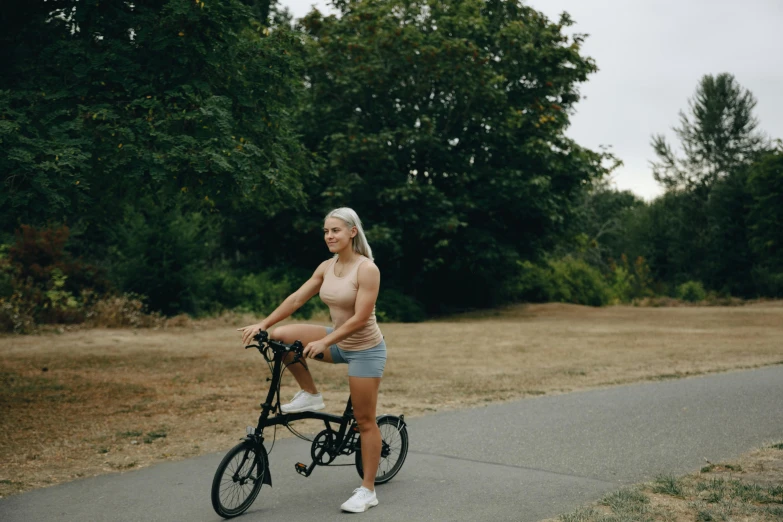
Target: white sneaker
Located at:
point(361, 500)
point(303, 401)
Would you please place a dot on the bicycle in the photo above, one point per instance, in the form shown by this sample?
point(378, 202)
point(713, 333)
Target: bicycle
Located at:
point(245, 468)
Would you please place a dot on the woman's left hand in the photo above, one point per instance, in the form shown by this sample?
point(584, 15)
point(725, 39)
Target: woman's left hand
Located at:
point(313, 349)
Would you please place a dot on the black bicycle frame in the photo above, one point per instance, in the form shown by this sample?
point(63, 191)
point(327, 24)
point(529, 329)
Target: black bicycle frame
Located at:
point(272, 403)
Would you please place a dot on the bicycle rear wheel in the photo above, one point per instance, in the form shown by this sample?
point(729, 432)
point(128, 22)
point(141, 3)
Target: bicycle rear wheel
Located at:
point(394, 449)
point(238, 479)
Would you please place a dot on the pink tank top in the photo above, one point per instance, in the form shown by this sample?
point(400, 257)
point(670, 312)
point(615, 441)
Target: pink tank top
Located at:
point(339, 294)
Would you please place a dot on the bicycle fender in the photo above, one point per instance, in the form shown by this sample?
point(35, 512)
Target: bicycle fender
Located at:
point(267, 474)
point(399, 420)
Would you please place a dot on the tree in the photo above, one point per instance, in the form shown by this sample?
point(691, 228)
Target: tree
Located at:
point(660, 233)
point(442, 123)
point(706, 196)
point(600, 230)
point(765, 222)
point(717, 137)
point(112, 102)
point(260, 9)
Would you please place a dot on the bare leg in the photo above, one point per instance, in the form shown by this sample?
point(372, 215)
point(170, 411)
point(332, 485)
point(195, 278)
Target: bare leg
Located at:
point(364, 395)
point(306, 333)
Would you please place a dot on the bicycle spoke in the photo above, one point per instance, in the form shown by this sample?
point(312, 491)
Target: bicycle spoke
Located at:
point(237, 481)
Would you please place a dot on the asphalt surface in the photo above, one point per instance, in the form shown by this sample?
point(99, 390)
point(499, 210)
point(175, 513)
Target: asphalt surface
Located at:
point(519, 461)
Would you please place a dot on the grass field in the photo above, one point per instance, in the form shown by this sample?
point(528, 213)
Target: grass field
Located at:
point(749, 489)
point(87, 402)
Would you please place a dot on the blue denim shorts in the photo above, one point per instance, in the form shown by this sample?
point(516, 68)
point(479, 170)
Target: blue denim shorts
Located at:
point(361, 363)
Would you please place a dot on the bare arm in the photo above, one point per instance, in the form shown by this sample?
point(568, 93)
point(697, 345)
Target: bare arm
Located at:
point(291, 304)
point(369, 279)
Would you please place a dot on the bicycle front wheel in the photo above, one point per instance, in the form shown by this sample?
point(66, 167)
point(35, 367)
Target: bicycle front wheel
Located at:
point(238, 479)
point(394, 449)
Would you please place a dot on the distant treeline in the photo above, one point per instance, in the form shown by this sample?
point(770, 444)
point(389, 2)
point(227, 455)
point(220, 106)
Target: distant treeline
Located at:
point(182, 154)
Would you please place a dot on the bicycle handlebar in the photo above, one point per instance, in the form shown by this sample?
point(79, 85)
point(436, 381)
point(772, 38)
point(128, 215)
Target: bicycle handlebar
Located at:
point(263, 340)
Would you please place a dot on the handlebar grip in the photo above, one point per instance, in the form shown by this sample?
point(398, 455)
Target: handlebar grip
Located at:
point(319, 356)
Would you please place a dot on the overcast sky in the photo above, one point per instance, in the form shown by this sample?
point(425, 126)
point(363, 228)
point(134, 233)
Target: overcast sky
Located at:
point(651, 55)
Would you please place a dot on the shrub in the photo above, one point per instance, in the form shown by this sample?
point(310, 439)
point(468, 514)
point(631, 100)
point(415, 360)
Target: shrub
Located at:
point(621, 284)
point(567, 280)
point(164, 254)
point(691, 291)
point(579, 283)
point(532, 284)
point(630, 281)
point(16, 315)
point(223, 288)
point(121, 312)
point(394, 306)
point(40, 282)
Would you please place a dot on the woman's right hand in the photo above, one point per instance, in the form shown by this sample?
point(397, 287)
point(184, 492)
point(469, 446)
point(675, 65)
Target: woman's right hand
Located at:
point(249, 331)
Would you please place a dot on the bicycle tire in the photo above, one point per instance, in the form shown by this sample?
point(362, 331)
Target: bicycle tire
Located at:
point(238, 479)
point(394, 437)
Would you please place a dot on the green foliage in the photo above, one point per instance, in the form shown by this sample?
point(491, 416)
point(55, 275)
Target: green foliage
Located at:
point(691, 291)
point(671, 243)
point(256, 292)
point(728, 261)
point(726, 239)
point(717, 136)
point(579, 283)
point(765, 222)
point(42, 284)
point(701, 229)
point(394, 306)
point(109, 102)
point(163, 252)
point(630, 281)
point(533, 284)
point(566, 280)
point(448, 136)
point(599, 231)
point(194, 147)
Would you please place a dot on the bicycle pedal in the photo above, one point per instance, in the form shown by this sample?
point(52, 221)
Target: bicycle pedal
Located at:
point(301, 468)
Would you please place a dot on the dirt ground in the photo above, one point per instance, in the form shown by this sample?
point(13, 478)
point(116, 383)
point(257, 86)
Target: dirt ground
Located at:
point(88, 402)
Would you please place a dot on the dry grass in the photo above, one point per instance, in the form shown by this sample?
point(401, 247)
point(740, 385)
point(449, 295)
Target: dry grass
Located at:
point(93, 401)
point(749, 488)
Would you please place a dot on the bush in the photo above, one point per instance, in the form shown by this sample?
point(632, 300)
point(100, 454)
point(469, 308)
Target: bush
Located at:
point(691, 291)
point(579, 283)
point(565, 280)
point(40, 283)
point(770, 281)
point(258, 292)
point(533, 284)
point(629, 281)
point(164, 254)
point(122, 312)
point(16, 315)
point(622, 285)
point(394, 306)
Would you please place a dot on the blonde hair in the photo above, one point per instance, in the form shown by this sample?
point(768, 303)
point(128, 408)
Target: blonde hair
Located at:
point(349, 216)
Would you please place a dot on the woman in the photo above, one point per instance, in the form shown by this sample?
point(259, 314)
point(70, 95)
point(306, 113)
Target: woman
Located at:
point(348, 283)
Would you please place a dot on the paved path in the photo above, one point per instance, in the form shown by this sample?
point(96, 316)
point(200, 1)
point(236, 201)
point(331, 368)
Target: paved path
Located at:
point(519, 461)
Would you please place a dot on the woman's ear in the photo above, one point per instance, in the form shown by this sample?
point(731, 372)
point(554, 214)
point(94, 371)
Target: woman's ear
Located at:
point(354, 232)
